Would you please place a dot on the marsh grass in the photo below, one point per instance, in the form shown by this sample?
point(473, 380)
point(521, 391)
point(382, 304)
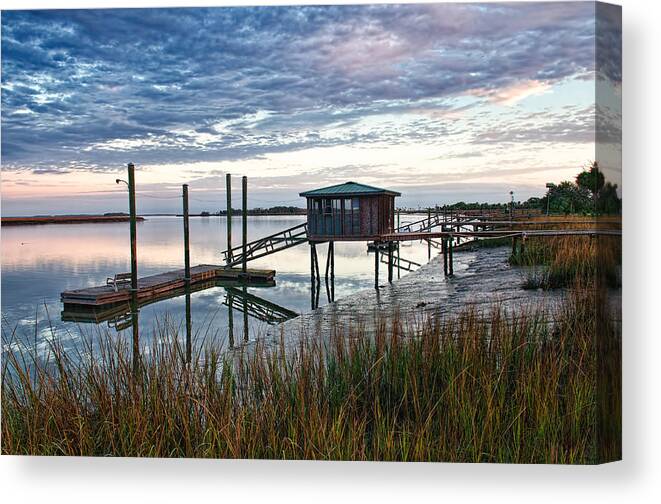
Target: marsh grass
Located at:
point(491, 387)
point(560, 261)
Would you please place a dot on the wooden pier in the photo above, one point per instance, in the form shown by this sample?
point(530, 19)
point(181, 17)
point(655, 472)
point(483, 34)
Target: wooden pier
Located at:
point(155, 286)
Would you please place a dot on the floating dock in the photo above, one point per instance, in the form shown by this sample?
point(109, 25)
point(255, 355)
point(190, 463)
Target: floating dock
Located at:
point(156, 286)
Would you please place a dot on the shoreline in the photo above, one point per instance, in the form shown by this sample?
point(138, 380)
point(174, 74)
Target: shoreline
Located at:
point(65, 219)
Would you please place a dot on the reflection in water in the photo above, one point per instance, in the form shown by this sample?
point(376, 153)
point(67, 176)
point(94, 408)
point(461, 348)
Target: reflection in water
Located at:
point(39, 262)
point(121, 316)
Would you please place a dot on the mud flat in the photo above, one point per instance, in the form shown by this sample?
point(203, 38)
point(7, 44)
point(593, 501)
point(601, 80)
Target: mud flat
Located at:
point(483, 279)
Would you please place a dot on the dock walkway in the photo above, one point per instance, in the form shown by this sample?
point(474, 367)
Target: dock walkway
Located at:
point(156, 285)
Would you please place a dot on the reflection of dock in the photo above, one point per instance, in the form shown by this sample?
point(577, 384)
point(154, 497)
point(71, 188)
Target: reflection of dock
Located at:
point(118, 315)
point(154, 286)
point(256, 307)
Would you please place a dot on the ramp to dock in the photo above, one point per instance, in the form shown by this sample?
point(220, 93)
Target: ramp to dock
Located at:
point(268, 245)
point(155, 286)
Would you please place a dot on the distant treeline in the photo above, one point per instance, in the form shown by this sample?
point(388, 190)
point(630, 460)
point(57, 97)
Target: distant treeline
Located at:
point(587, 194)
point(276, 210)
point(67, 219)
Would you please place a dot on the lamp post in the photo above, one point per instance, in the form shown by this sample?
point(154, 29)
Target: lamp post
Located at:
point(511, 205)
point(134, 263)
point(549, 186)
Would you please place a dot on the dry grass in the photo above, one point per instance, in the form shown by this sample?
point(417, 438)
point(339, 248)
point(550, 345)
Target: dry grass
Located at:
point(560, 261)
point(502, 389)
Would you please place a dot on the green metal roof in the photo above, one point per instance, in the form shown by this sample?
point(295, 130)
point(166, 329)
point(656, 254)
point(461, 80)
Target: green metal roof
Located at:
point(348, 189)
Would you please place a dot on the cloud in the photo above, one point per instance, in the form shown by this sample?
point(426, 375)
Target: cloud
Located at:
point(90, 88)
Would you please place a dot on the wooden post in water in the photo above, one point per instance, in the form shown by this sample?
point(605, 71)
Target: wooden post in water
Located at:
point(228, 185)
point(399, 252)
point(377, 258)
point(429, 230)
point(390, 261)
point(134, 269)
point(444, 246)
point(331, 249)
point(450, 255)
point(244, 205)
point(187, 277)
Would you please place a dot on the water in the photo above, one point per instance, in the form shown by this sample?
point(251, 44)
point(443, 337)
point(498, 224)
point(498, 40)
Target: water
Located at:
point(39, 262)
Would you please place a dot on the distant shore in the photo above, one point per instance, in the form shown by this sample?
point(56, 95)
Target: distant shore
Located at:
point(64, 219)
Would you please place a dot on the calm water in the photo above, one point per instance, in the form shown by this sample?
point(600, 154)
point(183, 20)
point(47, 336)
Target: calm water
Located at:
point(39, 262)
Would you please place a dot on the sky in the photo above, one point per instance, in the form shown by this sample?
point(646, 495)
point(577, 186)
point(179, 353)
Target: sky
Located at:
point(442, 102)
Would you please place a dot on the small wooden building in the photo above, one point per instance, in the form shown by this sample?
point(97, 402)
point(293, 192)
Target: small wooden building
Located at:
point(350, 212)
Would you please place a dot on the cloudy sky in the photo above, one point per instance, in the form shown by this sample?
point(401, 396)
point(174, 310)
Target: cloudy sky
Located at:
point(442, 102)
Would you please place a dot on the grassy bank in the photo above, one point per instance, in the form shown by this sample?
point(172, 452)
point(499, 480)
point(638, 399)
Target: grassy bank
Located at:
point(560, 261)
point(503, 388)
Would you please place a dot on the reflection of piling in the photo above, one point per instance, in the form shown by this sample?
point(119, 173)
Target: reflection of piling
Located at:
point(330, 272)
point(134, 269)
point(244, 222)
point(187, 277)
point(245, 314)
point(315, 281)
point(230, 317)
point(228, 181)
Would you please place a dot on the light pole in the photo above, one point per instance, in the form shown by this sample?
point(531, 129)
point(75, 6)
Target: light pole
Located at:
point(134, 264)
point(512, 205)
point(549, 186)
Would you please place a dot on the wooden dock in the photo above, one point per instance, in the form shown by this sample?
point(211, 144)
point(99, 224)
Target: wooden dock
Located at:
point(156, 286)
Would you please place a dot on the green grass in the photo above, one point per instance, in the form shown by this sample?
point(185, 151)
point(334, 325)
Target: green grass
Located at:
point(493, 388)
point(561, 261)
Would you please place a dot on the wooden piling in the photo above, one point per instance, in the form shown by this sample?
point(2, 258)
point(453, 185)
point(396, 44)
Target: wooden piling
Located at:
point(376, 265)
point(450, 256)
point(399, 252)
point(390, 261)
point(186, 235)
point(327, 272)
point(134, 269)
point(444, 245)
point(187, 275)
point(428, 240)
point(228, 185)
point(312, 279)
point(244, 221)
point(331, 246)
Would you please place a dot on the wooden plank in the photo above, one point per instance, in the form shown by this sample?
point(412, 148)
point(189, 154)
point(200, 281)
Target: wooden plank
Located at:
point(501, 233)
point(162, 283)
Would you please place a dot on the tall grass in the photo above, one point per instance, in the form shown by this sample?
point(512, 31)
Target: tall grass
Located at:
point(491, 387)
point(560, 261)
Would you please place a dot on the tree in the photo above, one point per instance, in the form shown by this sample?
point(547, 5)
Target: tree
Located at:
point(568, 197)
point(592, 179)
